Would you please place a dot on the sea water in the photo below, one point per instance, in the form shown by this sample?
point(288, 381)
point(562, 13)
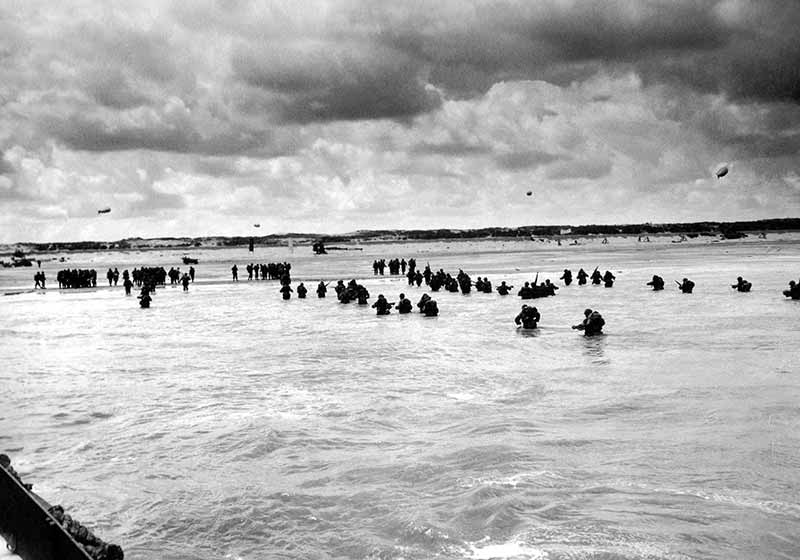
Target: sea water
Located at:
point(226, 423)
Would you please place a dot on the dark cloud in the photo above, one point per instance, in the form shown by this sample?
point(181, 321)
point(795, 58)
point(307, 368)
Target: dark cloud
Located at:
point(771, 75)
point(12, 190)
point(111, 88)
point(748, 146)
point(327, 81)
point(215, 167)
point(179, 135)
point(378, 62)
point(9, 184)
point(455, 148)
point(531, 159)
point(91, 134)
point(579, 169)
point(5, 166)
point(750, 53)
point(751, 130)
point(624, 30)
point(759, 72)
point(416, 170)
point(777, 168)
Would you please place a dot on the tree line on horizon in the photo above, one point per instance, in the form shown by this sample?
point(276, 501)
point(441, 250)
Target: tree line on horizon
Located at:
point(728, 230)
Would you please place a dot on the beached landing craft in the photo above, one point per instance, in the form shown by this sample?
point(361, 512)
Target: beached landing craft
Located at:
point(5, 553)
point(319, 248)
point(189, 260)
point(105, 210)
point(17, 259)
point(35, 530)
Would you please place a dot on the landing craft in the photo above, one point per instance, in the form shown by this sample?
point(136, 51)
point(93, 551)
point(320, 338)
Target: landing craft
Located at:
point(256, 225)
point(722, 171)
point(529, 193)
point(105, 210)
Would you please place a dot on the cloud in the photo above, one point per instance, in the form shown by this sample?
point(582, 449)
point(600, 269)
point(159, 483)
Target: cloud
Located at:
point(747, 146)
point(620, 30)
point(110, 87)
point(739, 48)
point(146, 131)
point(315, 80)
point(145, 53)
point(216, 167)
point(349, 114)
point(579, 169)
point(172, 127)
point(152, 201)
point(454, 148)
point(523, 160)
point(5, 166)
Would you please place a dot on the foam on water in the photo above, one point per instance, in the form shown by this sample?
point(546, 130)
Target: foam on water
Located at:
point(513, 550)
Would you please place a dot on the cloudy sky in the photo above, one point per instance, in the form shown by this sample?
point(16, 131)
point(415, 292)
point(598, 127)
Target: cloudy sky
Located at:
point(205, 117)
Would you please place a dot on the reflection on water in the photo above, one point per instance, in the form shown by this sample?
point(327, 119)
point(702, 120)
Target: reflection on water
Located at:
point(226, 423)
point(594, 347)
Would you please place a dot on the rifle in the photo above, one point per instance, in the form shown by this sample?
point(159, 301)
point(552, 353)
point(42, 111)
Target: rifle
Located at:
point(536, 280)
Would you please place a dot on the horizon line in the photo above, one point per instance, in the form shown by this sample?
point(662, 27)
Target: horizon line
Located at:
point(400, 231)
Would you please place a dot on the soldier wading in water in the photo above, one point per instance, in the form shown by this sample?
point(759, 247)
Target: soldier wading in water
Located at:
point(592, 323)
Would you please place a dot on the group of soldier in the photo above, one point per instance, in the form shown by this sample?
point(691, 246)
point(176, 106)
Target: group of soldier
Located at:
point(74, 278)
point(427, 306)
point(149, 277)
point(395, 266)
point(39, 280)
point(592, 324)
point(532, 290)
point(528, 318)
point(269, 271)
point(687, 286)
point(355, 292)
point(793, 291)
point(461, 282)
point(606, 279)
point(175, 277)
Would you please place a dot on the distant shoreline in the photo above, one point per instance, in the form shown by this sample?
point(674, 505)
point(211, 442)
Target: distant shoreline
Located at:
point(725, 230)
